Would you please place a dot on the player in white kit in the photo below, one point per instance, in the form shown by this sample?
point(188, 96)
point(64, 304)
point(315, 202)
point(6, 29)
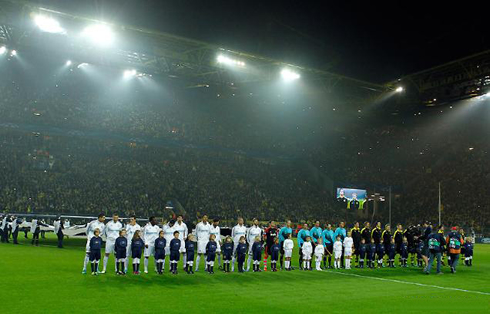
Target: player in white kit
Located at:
point(319, 252)
point(181, 227)
point(203, 231)
point(288, 251)
point(337, 250)
point(216, 230)
point(131, 229)
point(111, 231)
point(236, 233)
point(168, 234)
point(348, 247)
point(94, 224)
point(307, 250)
point(150, 234)
point(252, 233)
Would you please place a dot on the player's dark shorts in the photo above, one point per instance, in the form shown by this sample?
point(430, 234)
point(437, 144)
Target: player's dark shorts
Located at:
point(274, 256)
point(121, 253)
point(329, 248)
point(425, 251)
point(362, 255)
point(257, 255)
point(268, 249)
point(370, 256)
point(174, 255)
point(136, 253)
point(159, 254)
point(380, 254)
point(404, 254)
point(190, 256)
point(398, 249)
point(468, 253)
point(241, 258)
point(412, 249)
point(391, 254)
point(227, 256)
point(211, 257)
point(94, 255)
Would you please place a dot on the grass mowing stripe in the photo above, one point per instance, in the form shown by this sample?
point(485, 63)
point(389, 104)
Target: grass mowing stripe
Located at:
point(408, 282)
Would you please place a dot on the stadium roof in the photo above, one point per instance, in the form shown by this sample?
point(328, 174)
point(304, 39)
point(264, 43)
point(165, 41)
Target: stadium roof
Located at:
point(161, 53)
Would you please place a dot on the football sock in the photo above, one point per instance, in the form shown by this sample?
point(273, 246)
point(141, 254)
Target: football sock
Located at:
point(106, 258)
point(198, 259)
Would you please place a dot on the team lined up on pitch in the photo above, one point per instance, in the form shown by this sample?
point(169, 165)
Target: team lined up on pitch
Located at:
point(368, 247)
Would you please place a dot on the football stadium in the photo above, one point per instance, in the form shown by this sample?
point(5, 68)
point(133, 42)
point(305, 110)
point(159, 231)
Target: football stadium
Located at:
point(238, 157)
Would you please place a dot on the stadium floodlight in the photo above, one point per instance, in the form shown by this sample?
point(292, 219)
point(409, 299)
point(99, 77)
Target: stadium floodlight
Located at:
point(68, 63)
point(399, 89)
point(3, 50)
point(130, 73)
point(48, 25)
point(99, 34)
point(289, 75)
point(13, 53)
point(228, 61)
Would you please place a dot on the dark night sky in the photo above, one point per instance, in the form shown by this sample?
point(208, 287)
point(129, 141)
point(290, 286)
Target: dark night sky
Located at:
point(376, 42)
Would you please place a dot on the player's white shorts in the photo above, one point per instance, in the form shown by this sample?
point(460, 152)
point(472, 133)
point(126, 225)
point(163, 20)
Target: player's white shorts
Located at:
point(348, 252)
point(288, 253)
point(109, 246)
point(150, 250)
point(128, 250)
point(306, 256)
point(201, 247)
point(319, 257)
point(338, 254)
point(182, 246)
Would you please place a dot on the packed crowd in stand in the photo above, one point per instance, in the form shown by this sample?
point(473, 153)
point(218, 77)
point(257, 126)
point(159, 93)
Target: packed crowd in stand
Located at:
point(69, 145)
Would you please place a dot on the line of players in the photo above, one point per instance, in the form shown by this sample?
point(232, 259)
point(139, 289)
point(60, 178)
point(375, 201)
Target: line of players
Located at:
point(368, 247)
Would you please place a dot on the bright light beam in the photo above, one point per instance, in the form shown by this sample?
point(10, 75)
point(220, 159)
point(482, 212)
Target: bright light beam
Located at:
point(399, 89)
point(48, 25)
point(228, 61)
point(3, 50)
point(68, 63)
point(99, 34)
point(13, 53)
point(288, 75)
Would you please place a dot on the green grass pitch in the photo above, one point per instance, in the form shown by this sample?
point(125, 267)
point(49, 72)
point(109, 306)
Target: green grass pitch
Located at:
point(46, 279)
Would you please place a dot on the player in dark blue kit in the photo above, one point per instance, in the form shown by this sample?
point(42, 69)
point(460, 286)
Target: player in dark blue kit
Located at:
point(211, 248)
point(468, 252)
point(190, 245)
point(362, 253)
point(404, 253)
point(175, 252)
point(137, 246)
point(227, 253)
point(121, 248)
point(275, 250)
point(94, 256)
point(371, 252)
point(391, 254)
point(420, 249)
point(257, 254)
point(241, 252)
point(160, 244)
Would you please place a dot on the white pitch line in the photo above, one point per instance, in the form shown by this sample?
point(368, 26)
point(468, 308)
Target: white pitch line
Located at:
point(409, 283)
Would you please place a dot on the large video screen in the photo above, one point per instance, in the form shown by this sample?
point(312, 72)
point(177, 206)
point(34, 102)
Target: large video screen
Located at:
point(351, 198)
point(351, 193)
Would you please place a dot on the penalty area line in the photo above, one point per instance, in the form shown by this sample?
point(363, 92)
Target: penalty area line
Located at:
point(410, 283)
